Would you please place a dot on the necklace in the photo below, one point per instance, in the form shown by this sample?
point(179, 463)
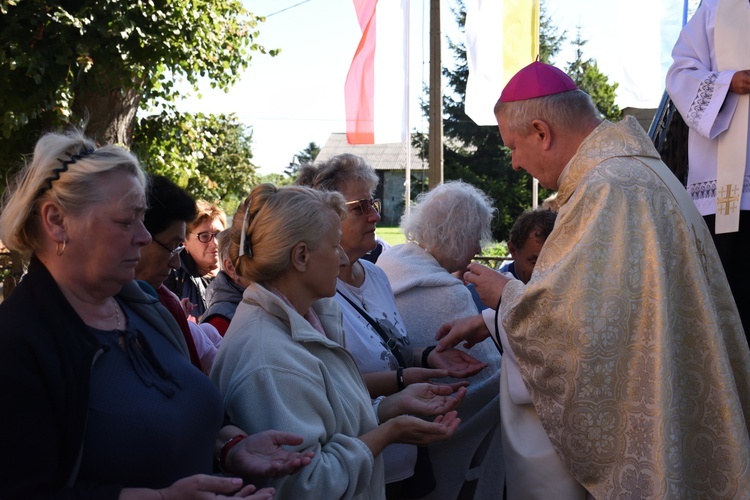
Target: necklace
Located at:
point(117, 312)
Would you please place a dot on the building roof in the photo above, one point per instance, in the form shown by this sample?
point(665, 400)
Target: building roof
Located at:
point(380, 156)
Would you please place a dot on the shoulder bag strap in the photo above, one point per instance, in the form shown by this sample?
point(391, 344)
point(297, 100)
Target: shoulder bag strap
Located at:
point(390, 342)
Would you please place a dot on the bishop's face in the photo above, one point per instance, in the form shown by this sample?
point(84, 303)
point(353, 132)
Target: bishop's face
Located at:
point(528, 153)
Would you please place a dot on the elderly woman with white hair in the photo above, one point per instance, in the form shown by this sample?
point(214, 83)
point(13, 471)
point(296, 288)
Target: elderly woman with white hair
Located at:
point(445, 229)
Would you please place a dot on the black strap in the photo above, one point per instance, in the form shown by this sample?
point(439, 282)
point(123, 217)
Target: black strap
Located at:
point(497, 327)
point(389, 341)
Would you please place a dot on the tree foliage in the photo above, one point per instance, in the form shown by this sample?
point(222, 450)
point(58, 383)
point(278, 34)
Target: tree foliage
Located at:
point(585, 73)
point(307, 155)
point(208, 155)
point(550, 39)
point(95, 62)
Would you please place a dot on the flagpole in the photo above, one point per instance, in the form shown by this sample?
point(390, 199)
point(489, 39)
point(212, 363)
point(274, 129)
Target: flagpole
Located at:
point(407, 180)
point(436, 99)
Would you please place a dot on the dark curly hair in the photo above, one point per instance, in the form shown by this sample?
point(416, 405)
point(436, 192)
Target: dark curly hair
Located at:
point(538, 222)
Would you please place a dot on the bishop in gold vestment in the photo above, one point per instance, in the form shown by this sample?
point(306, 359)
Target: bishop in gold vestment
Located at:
point(626, 336)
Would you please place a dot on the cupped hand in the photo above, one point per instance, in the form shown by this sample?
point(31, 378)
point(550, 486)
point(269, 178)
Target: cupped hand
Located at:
point(414, 430)
point(423, 400)
point(262, 455)
point(205, 487)
point(458, 364)
point(416, 375)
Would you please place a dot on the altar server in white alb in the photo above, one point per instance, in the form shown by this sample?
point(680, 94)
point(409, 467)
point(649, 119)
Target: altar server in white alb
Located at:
point(709, 82)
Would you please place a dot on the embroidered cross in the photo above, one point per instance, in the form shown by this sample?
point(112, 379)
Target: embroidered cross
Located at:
point(728, 197)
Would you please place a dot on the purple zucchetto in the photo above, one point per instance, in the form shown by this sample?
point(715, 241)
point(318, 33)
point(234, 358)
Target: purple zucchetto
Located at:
point(536, 80)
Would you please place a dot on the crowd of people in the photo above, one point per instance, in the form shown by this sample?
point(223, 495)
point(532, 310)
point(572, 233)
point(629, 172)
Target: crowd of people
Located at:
point(157, 349)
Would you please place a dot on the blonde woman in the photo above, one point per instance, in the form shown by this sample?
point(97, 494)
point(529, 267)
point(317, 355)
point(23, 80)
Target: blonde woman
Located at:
point(98, 392)
point(283, 364)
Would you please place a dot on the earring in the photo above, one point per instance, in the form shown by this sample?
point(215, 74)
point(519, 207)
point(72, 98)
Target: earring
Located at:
point(61, 248)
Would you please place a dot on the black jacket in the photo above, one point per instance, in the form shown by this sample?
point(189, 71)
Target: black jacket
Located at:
point(46, 355)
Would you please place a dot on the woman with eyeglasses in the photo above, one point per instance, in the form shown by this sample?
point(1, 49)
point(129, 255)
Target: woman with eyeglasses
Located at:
point(99, 398)
point(374, 330)
point(199, 263)
point(170, 210)
point(283, 364)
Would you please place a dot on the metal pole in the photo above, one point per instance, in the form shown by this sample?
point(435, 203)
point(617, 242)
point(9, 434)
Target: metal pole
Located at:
point(436, 99)
point(407, 174)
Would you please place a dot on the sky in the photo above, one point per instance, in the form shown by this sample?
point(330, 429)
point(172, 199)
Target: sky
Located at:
point(297, 97)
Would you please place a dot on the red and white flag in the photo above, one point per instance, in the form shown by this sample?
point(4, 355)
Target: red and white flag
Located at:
point(376, 87)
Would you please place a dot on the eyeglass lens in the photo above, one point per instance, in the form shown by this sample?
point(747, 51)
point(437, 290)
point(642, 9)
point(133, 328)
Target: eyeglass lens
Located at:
point(365, 205)
point(172, 253)
point(206, 237)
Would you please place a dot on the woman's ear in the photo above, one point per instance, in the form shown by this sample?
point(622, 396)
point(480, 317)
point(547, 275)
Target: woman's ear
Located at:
point(53, 222)
point(228, 267)
point(300, 256)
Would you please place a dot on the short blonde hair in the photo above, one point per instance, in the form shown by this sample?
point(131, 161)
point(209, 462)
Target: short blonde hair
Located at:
point(66, 168)
point(278, 219)
point(205, 210)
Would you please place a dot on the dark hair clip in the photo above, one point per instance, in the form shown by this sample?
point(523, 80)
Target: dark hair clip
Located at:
point(65, 164)
point(245, 246)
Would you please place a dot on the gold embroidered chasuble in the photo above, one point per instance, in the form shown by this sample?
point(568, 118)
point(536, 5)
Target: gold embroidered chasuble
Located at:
point(627, 335)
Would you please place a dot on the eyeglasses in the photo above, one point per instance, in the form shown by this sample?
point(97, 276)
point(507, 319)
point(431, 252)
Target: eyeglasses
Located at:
point(365, 205)
point(172, 253)
point(205, 237)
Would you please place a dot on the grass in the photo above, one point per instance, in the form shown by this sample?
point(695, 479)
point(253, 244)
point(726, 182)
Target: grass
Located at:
point(393, 236)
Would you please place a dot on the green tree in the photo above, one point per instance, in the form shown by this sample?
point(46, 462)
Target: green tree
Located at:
point(208, 155)
point(98, 61)
point(307, 155)
point(585, 73)
point(550, 39)
point(276, 179)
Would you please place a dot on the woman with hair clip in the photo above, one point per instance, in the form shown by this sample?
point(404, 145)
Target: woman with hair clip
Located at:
point(282, 363)
point(98, 392)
